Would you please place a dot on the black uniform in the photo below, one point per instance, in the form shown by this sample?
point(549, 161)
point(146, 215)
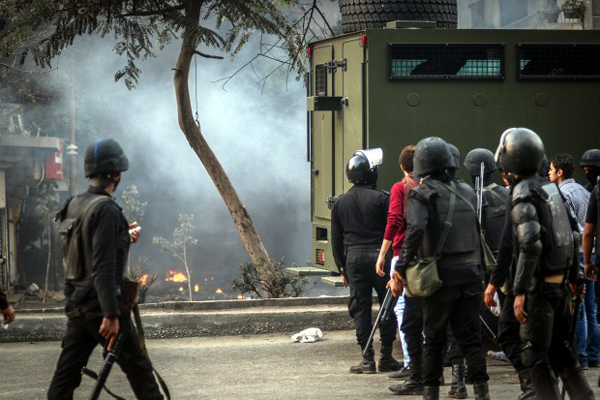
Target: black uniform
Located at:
point(459, 268)
point(544, 240)
point(493, 214)
point(358, 221)
point(95, 296)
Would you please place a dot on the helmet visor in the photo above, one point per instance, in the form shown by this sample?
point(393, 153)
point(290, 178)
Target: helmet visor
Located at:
point(373, 156)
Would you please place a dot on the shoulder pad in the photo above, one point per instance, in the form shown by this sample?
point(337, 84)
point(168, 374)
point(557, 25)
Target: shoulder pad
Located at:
point(523, 212)
point(524, 189)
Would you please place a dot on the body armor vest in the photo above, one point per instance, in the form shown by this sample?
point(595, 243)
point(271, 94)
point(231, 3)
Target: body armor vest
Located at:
point(556, 235)
point(494, 213)
point(463, 243)
point(76, 239)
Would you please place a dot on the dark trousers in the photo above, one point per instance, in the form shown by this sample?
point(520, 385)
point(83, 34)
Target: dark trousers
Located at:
point(77, 346)
point(454, 353)
point(459, 306)
point(412, 326)
point(508, 333)
point(546, 332)
point(360, 268)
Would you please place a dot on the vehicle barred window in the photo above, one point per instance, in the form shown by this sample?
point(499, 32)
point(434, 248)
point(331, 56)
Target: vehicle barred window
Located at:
point(446, 61)
point(321, 80)
point(559, 61)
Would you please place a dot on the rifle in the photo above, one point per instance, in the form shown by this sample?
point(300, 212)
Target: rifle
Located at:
point(576, 306)
point(101, 378)
point(389, 302)
point(479, 192)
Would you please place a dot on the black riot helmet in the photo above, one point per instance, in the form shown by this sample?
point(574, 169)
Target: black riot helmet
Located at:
point(104, 157)
point(545, 168)
point(455, 155)
point(474, 159)
point(521, 151)
point(431, 154)
point(362, 167)
point(591, 158)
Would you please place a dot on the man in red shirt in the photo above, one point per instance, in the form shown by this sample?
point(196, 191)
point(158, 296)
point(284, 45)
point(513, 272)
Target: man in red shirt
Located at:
point(394, 235)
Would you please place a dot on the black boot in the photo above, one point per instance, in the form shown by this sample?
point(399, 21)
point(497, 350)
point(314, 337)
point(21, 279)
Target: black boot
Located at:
point(527, 392)
point(366, 366)
point(577, 385)
point(409, 387)
point(431, 393)
point(481, 391)
point(387, 363)
point(458, 389)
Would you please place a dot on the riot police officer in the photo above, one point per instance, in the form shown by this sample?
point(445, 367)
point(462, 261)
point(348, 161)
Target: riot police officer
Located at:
point(493, 196)
point(590, 162)
point(546, 241)
point(358, 221)
point(455, 160)
point(93, 282)
point(442, 202)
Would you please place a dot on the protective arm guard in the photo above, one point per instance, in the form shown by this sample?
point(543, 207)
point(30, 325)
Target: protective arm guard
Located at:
point(528, 228)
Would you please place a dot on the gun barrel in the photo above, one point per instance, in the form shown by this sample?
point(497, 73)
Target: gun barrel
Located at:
point(387, 300)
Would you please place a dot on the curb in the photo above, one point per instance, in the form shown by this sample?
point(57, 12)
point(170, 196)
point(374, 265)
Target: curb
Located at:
point(198, 319)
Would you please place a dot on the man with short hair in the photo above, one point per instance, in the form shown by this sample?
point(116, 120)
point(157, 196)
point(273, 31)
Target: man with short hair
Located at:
point(395, 231)
point(577, 197)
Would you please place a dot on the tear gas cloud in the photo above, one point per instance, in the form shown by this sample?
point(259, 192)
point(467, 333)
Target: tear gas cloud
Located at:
point(259, 139)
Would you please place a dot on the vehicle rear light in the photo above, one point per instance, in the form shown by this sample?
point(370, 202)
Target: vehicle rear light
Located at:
point(320, 257)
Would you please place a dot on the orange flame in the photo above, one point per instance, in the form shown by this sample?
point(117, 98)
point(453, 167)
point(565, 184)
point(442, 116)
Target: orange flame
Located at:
point(196, 288)
point(175, 276)
point(181, 289)
point(144, 280)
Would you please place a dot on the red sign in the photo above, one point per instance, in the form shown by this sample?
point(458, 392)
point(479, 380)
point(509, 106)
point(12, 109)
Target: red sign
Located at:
point(54, 164)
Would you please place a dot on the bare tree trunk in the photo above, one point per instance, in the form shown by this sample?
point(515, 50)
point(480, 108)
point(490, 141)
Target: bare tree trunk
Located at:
point(48, 263)
point(254, 246)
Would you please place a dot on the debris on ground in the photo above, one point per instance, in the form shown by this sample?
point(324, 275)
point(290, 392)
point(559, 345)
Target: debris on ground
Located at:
point(309, 335)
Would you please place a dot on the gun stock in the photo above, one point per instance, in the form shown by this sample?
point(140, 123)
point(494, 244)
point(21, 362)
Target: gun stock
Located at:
point(109, 361)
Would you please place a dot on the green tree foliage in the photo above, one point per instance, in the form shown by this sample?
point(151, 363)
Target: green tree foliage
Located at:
point(182, 239)
point(42, 29)
point(278, 282)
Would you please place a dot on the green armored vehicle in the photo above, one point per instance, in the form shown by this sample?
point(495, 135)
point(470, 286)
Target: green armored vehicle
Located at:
point(391, 87)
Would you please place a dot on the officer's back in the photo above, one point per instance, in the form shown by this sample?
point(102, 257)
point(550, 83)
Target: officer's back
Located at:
point(362, 212)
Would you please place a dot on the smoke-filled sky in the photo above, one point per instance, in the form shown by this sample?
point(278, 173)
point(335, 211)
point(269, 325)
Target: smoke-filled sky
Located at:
point(259, 139)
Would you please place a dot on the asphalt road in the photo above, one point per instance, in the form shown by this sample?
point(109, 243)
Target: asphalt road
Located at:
point(237, 367)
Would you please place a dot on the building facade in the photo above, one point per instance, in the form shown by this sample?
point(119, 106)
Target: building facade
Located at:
point(529, 14)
